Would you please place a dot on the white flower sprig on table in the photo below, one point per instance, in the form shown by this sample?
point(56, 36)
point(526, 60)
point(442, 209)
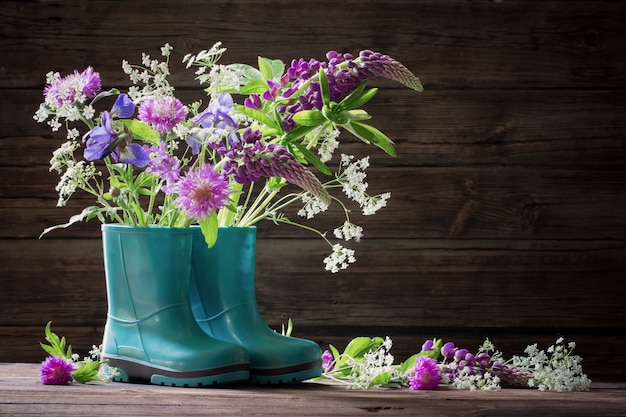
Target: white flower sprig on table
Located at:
point(367, 363)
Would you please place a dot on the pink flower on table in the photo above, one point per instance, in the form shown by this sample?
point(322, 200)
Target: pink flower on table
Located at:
point(55, 370)
point(425, 374)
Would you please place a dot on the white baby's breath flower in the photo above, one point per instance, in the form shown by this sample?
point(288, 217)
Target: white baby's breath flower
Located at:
point(146, 60)
point(77, 175)
point(329, 143)
point(88, 112)
point(349, 231)
point(41, 114)
point(62, 155)
point(339, 259)
point(54, 124)
point(52, 77)
point(166, 50)
point(73, 134)
point(126, 67)
point(372, 204)
point(312, 206)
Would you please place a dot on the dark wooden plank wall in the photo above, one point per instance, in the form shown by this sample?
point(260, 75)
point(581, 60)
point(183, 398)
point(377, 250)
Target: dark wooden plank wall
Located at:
point(507, 212)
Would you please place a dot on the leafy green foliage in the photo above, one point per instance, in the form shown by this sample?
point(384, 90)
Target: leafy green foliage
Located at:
point(56, 346)
point(87, 370)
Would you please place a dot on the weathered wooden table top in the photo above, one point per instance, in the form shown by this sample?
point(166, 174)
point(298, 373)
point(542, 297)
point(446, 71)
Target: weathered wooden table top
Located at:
point(22, 395)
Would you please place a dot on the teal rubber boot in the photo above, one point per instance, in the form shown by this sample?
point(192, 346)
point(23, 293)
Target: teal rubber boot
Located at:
point(150, 332)
point(224, 303)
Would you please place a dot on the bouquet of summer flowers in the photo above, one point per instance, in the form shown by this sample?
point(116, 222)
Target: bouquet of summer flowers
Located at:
point(149, 159)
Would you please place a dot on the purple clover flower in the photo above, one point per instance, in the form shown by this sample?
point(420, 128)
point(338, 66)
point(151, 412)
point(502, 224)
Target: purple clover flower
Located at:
point(425, 374)
point(163, 165)
point(56, 370)
point(73, 88)
point(110, 139)
point(202, 192)
point(163, 113)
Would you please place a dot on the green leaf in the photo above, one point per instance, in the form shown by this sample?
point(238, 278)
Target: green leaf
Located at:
point(358, 98)
point(248, 72)
point(346, 103)
point(271, 68)
point(296, 133)
point(409, 363)
point(257, 115)
point(334, 351)
point(87, 214)
point(87, 372)
point(370, 134)
point(104, 94)
point(56, 345)
point(209, 227)
point(309, 117)
point(49, 349)
point(359, 346)
point(254, 87)
point(275, 183)
point(324, 87)
point(312, 158)
point(142, 131)
point(380, 379)
point(346, 116)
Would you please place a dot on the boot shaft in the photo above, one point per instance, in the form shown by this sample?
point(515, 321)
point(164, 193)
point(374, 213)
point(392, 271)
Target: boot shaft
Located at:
point(225, 273)
point(147, 269)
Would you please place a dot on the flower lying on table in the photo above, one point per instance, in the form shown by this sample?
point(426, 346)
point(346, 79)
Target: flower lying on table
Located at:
point(367, 363)
point(62, 366)
point(150, 159)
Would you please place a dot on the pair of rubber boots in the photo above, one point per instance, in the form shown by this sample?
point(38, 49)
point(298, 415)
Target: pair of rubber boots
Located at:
point(176, 322)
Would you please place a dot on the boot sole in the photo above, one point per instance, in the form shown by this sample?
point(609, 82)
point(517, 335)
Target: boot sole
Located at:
point(132, 371)
point(287, 375)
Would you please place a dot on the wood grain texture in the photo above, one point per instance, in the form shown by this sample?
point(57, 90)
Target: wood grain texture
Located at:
point(19, 396)
point(507, 212)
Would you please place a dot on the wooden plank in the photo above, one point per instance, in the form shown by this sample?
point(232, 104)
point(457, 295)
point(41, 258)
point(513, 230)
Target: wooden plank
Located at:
point(456, 202)
point(593, 346)
point(435, 128)
point(19, 396)
point(475, 44)
point(394, 283)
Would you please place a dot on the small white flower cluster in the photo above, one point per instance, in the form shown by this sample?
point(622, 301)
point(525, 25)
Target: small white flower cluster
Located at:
point(153, 74)
point(349, 231)
point(205, 58)
point(218, 76)
point(352, 178)
point(467, 379)
point(328, 143)
point(77, 174)
point(374, 364)
point(555, 369)
point(339, 259)
point(312, 206)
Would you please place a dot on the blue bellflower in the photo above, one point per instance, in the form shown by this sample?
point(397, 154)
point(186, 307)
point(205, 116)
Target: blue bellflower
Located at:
point(111, 138)
point(217, 115)
point(123, 108)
